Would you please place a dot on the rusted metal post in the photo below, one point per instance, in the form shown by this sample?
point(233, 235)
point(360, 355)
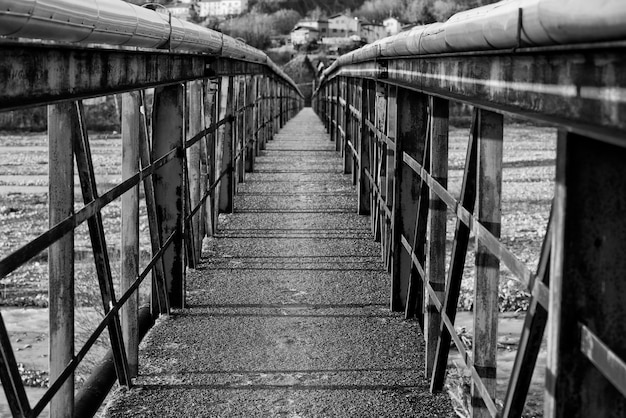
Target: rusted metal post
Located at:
point(389, 161)
point(347, 152)
point(587, 304)
point(227, 185)
point(129, 254)
point(332, 113)
point(411, 135)
point(61, 255)
point(168, 133)
point(262, 97)
point(436, 246)
point(489, 192)
point(241, 129)
point(379, 164)
point(196, 121)
point(365, 169)
point(211, 98)
point(250, 123)
point(338, 115)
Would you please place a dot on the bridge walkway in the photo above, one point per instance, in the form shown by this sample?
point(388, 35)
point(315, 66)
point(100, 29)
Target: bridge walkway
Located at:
point(288, 313)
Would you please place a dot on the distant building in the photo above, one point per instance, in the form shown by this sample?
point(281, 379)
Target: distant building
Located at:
point(304, 35)
point(340, 29)
point(341, 25)
point(221, 7)
point(181, 10)
point(371, 32)
point(320, 25)
point(392, 26)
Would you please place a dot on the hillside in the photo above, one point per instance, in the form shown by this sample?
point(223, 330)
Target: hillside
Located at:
point(422, 11)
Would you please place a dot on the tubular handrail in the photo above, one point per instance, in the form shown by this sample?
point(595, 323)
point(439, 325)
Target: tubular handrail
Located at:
point(503, 26)
point(116, 22)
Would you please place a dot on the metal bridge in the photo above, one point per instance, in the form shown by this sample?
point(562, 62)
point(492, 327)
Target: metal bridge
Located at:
point(287, 309)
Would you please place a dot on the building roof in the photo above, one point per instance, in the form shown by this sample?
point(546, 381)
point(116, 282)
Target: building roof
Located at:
point(304, 27)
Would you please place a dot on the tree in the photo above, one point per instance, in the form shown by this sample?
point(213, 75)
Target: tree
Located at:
point(283, 21)
point(254, 28)
point(316, 14)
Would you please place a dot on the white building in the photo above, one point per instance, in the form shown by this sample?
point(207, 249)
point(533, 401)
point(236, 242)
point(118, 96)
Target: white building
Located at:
point(341, 25)
point(302, 35)
point(371, 32)
point(181, 10)
point(221, 7)
point(392, 26)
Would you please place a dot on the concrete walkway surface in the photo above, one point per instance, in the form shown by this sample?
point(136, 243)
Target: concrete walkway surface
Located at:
point(288, 312)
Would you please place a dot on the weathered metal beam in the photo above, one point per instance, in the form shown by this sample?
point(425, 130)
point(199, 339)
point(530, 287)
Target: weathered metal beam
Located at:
point(488, 206)
point(437, 217)
point(457, 261)
point(129, 255)
point(226, 145)
point(579, 88)
point(365, 187)
point(412, 120)
point(168, 132)
point(196, 121)
point(587, 271)
point(61, 255)
point(34, 74)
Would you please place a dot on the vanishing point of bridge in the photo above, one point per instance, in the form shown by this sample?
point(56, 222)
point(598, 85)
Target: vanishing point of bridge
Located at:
point(321, 228)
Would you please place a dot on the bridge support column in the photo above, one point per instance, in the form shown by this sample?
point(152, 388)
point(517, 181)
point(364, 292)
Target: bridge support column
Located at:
point(225, 139)
point(365, 169)
point(587, 286)
point(488, 206)
point(250, 123)
point(436, 244)
point(387, 120)
point(129, 255)
point(196, 120)
point(168, 134)
point(339, 114)
point(240, 137)
point(347, 127)
point(410, 204)
point(61, 255)
point(209, 156)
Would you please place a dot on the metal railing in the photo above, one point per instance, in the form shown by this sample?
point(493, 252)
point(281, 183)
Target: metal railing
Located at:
point(388, 110)
point(216, 102)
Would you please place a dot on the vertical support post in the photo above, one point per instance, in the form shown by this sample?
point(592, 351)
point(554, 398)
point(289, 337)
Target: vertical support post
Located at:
point(339, 113)
point(347, 152)
point(257, 120)
point(240, 137)
point(227, 185)
point(436, 247)
point(250, 124)
point(168, 134)
point(332, 115)
point(196, 120)
point(410, 131)
point(587, 286)
point(209, 160)
point(388, 161)
point(129, 255)
point(61, 255)
point(457, 259)
point(489, 191)
point(365, 169)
